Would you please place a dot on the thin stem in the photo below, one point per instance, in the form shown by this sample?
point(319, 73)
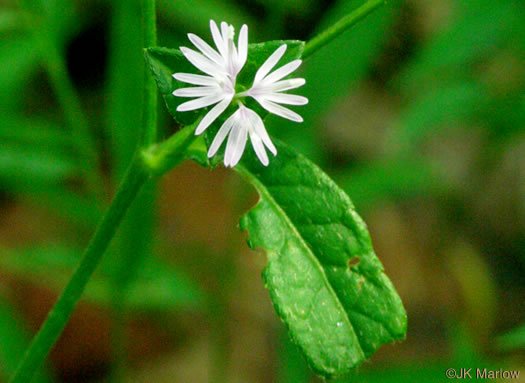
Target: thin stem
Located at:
point(150, 88)
point(163, 157)
point(340, 27)
point(159, 159)
point(135, 234)
point(55, 322)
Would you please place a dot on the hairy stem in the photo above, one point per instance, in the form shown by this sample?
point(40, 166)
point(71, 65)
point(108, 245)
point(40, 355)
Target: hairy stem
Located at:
point(340, 27)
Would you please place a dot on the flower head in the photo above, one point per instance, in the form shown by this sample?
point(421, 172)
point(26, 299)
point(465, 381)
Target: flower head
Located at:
point(217, 87)
point(221, 68)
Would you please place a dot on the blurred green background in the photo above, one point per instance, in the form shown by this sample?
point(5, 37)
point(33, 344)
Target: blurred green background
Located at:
point(418, 113)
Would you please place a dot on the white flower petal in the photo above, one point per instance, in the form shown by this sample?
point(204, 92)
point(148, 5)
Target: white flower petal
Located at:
point(198, 91)
point(269, 63)
point(212, 115)
point(238, 142)
point(201, 62)
point(282, 72)
point(242, 45)
point(287, 99)
point(217, 38)
point(258, 147)
point(258, 125)
point(226, 32)
point(221, 135)
point(205, 48)
point(292, 83)
point(279, 110)
point(200, 102)
point(195, 79)
point(232, 141)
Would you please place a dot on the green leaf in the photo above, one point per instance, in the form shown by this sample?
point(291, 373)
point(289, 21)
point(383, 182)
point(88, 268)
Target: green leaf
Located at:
point(338, 312)
point(324, 279)
point(164, 62)
point(157, 287)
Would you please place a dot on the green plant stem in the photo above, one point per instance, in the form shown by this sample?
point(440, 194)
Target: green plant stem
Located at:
point(140, 171)
point(55, 322)
point(162, 157)
point(340, 27)
point(135, 235)
point(150, 88)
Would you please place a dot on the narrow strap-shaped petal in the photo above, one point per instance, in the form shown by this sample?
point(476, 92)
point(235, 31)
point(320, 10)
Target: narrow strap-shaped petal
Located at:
point(197, 91)
point(225, 31)
point(258, 147)
point(212, 115)
point(195, 79)
point(260, 130)
point(201, 62)
point(292, 83)
point(217, 38)
point(279, 110)
point(232, 140)
point(206, 49)
point(221, 135)
point(269, 63)
point(240, 143)
point(282, 72)
point(287, 99)
point(242, 45)
point(200, 102)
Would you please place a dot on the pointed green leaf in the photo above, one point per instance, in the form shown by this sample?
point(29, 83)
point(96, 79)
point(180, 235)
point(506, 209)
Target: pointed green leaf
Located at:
point(324, 279)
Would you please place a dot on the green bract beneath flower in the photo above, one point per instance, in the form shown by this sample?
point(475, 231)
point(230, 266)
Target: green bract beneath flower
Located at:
point(219, 87)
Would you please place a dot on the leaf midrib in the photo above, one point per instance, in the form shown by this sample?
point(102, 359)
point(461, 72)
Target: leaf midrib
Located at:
point(263, 191)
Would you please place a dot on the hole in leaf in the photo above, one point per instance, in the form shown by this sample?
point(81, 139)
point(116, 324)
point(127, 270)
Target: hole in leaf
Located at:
point(354, 261)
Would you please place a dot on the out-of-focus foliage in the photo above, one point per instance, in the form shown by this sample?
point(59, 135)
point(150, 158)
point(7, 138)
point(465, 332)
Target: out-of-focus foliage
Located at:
point(418, 112)
point(15, 338)
point(157, 288)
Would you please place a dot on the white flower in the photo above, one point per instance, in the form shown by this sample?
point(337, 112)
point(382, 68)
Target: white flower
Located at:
point(241, 124)
point(267, 88)
point(221, 69)
point(217, 87)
